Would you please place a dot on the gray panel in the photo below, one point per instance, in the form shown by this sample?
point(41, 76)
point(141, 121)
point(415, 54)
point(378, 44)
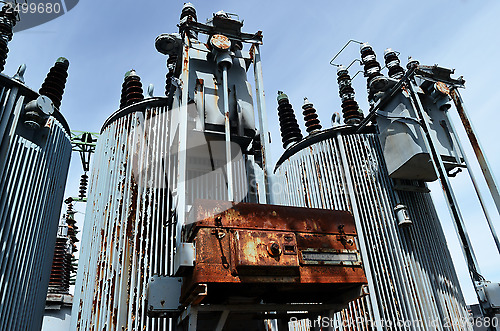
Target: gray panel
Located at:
point(403, 142)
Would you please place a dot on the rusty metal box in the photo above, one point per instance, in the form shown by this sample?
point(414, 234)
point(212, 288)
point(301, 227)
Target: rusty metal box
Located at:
point(254, 250)
point(271, 253)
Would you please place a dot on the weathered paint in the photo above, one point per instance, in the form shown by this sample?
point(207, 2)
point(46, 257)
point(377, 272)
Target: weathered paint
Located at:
point(268, 252)
point(33, 170)
point(130, 217)
point(412, 277)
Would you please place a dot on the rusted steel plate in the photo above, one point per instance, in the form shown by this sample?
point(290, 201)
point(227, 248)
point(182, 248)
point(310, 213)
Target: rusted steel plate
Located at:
point(271, 217)
point(269, 249)
point(258, 250)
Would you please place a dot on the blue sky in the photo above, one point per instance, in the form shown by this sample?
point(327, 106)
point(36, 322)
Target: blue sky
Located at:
point(104, 39)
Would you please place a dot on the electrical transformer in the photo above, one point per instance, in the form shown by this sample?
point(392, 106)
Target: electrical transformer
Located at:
point(35, 151)
point(182, 231)
point(410, 273)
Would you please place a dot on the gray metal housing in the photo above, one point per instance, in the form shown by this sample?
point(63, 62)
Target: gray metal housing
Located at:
point(207, 92)
point(402, 139)
point(33, 169)
point(410, 272)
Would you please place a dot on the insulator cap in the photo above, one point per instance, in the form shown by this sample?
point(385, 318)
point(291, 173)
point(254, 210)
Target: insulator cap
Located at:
point(188, 13)
point(189, 10)
point(411, 63)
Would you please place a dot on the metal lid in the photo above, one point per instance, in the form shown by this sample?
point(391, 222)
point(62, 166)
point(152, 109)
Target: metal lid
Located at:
point(220, 42)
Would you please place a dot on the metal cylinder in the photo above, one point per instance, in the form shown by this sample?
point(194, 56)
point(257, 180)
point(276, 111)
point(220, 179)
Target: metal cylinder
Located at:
point(410, 273)
point(127, 234)
point(33, 169)
point(290, 131)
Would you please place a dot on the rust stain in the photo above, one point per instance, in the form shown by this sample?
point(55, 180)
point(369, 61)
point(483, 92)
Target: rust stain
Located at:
point(467, 126)
point(132, 209)
point(263, 244)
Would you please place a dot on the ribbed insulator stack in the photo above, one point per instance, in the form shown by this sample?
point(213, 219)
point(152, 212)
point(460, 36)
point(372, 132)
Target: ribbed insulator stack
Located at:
point(290, 131)
point(7, 22)
point(70, 220)
point(350, 108)
point(83, 186)
point(310, 117)
point(72, 233)
point(188, 13)
point(54, 83)
point(172, 60)
point(371, 66)
point(61, 267)
point(393, 64)
point(131, 89)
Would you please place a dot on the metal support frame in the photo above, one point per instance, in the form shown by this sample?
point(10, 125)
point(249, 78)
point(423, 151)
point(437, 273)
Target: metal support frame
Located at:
point(222, 320)
point(84, 148)
point(182, 152)
point(478, 150)
point(475, 184)
point(459, 224)
point(263, 129)
point(445, 182)
point(191, 312)
point(227, 131)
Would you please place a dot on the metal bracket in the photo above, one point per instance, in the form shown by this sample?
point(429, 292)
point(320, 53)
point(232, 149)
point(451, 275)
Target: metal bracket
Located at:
point(342, 49)
point(184, 257)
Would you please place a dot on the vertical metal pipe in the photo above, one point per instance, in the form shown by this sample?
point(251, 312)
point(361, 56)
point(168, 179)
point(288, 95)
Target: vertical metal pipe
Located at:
point(182, 149)
point(448, 191)
point(6, 137)
point(481, 158)
point(261, 109)
point(227, 128)
point(475, 184)
point(449, 195)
